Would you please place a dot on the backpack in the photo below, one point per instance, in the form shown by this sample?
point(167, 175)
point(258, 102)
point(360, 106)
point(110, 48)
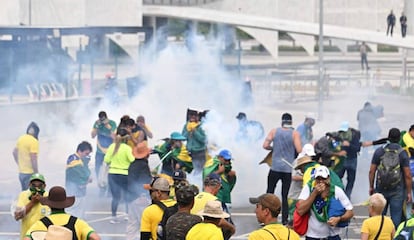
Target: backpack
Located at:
point(70, 225)
point(389, 171)
point(168, 212)
point(406, 233)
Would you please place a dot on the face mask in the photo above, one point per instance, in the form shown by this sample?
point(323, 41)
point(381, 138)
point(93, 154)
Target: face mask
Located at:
point(86, 159)
point(227, 168)
point(35, 190)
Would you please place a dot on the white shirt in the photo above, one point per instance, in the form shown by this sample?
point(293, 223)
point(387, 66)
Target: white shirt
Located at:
point(318, 229)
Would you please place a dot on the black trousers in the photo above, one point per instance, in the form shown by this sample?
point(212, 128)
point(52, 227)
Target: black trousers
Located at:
point(272, 180)
point(390, 27)
point(403, 29)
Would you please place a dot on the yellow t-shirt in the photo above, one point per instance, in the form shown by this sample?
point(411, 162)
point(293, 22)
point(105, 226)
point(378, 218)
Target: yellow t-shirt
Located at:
point(119, 163)
point(372, 225)
point(408, 141)
point(152, 216)
point(278, 230)
point(26, 145)
point(200, 201)
point(83, 230)
point(37, 212)
point(204, 231)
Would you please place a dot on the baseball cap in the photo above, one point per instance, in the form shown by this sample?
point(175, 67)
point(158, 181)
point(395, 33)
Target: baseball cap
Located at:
point(267, 200)
point(226, 154)
point(161, 184)
point(37, 176)
point(286, 119)
point(179, 175)
point(307, 150)
point(321, 171)
point(344, 126)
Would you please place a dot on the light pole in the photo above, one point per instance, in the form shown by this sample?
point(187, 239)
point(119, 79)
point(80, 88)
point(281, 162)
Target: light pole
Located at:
point(320, 65)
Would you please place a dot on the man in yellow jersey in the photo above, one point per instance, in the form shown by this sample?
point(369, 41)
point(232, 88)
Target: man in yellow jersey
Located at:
point(58, 201)
point(268, 207)
point(28, 208)
point(213, 215)
point(212, 185)
point(25, 154)
point(153, 214)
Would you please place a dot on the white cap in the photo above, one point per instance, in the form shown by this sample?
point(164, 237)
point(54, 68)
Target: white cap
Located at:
point(344, 126)
point(321, 171)
point(307, 150)
point(310, 115)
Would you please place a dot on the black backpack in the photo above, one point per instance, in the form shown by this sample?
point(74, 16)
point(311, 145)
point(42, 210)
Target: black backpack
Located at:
point(389, 170)
point(70, 225)
point(406, 233)
point(168, 212)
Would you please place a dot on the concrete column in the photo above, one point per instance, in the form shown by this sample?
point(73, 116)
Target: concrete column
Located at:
point(409, 12)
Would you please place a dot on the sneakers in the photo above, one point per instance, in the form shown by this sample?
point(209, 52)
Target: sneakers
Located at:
point(114, 220)
point(126, 218)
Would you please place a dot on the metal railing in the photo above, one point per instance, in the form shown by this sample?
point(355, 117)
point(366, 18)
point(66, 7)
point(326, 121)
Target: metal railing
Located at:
point(178, 2)
point(296, 85)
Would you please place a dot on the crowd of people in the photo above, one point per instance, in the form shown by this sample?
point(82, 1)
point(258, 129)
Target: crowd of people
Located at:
point(162, 204)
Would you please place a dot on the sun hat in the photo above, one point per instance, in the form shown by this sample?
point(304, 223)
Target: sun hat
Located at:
point(213, 209)
point(177, 136)
point(303, 160)
point(53, 232)
point(141, 150)
point(267, 200)
point(37, 176)
point(57, 198)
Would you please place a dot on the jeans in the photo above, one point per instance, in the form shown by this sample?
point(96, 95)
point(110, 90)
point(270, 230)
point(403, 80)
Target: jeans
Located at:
point(99, 157)
point(286, 179)
point(118, 186)
point(364, 60)
point(350, 166)
point(395, 200)
point(24, 179)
